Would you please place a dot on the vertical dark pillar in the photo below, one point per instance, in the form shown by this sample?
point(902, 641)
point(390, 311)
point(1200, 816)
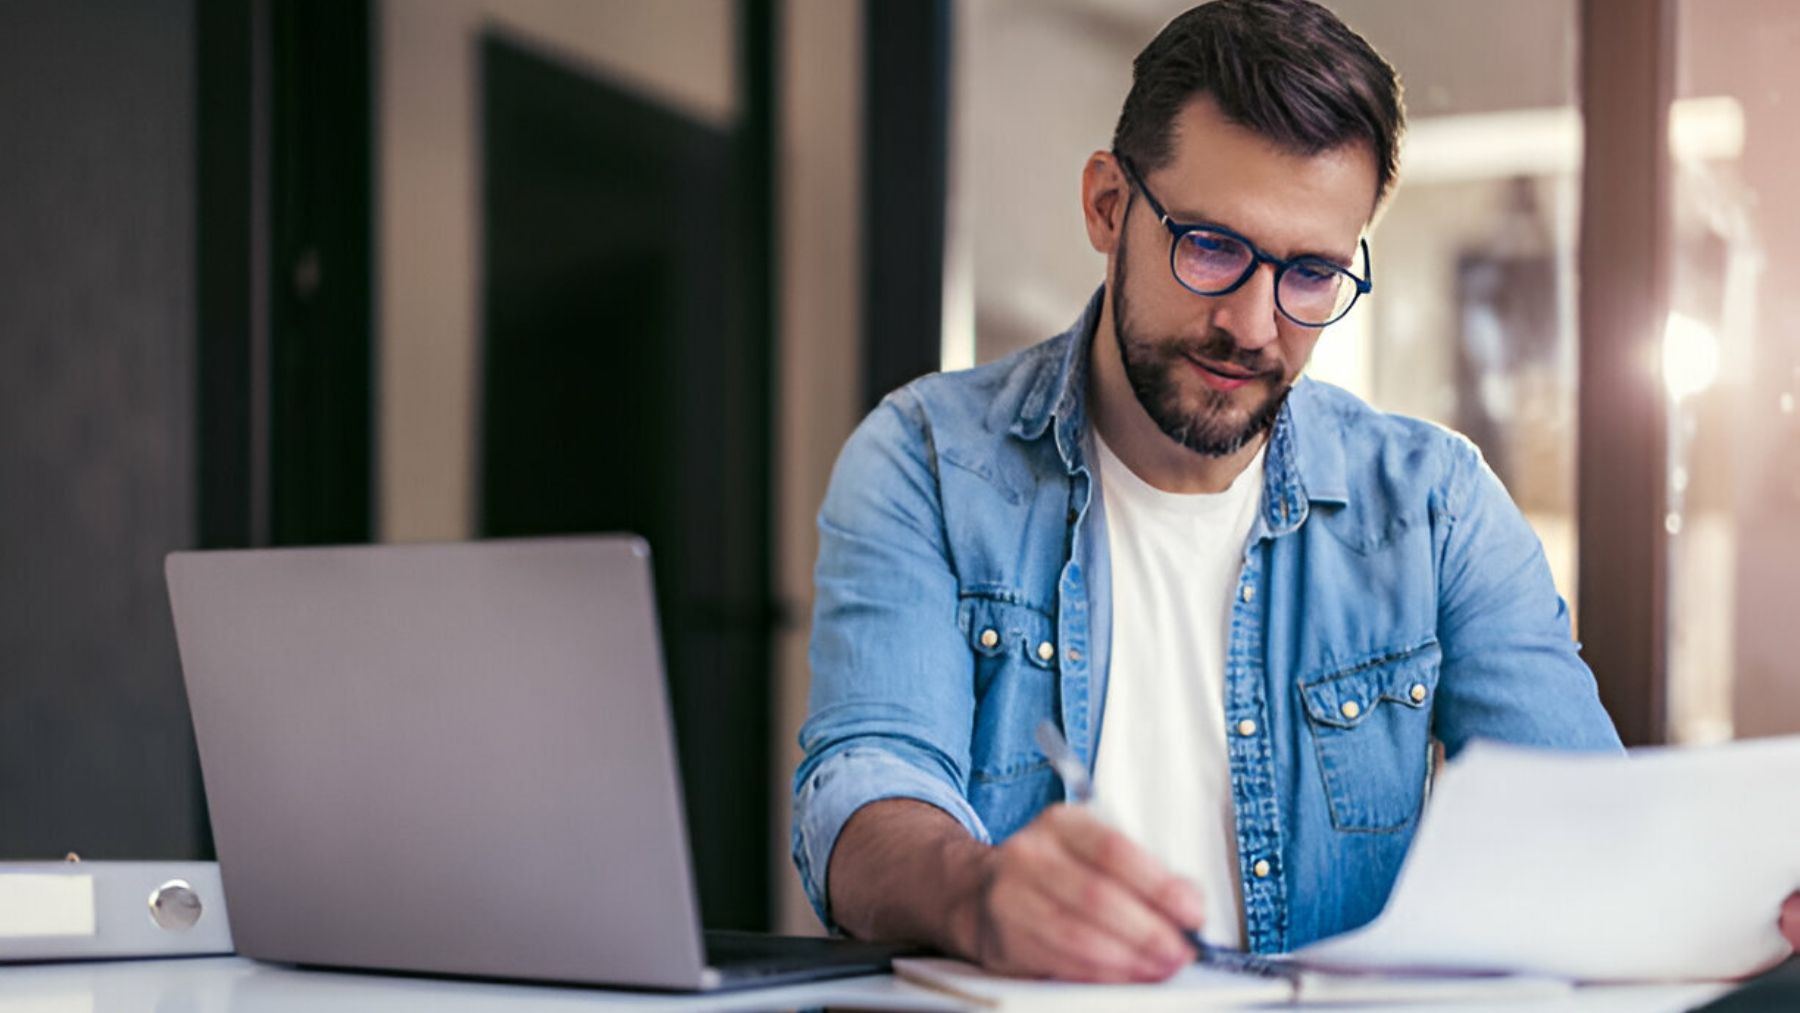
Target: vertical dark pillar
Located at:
point(285, 199)
point(754, 464)
point(1627, 80)
point(231, 97)
point(906, 151)
point(319, 239)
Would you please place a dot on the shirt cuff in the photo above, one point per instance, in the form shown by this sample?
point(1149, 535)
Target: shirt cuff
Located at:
point(846, 782)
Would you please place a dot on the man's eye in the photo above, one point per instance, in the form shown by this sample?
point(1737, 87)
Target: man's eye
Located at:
point(1206, 242)
point(1315, 274)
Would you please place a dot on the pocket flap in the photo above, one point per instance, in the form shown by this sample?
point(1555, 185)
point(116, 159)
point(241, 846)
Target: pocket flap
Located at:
point(1345, 698)
point(997, 628)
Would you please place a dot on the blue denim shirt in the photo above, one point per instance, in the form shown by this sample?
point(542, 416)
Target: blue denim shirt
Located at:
point(1390, 594)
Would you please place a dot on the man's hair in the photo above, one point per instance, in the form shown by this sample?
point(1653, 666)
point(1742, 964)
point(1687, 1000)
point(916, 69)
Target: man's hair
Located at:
point(1286, 69)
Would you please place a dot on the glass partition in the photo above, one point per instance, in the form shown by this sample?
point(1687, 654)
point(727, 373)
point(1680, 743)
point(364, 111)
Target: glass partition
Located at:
point(1731, 367)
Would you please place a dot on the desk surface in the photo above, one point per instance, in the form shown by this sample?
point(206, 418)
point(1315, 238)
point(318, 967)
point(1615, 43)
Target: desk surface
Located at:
point(236, 985)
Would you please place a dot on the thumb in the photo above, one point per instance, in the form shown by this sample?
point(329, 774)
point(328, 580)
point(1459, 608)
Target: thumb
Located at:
point(1790, 920)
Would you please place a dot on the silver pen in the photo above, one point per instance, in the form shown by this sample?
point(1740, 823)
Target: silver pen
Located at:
point(1078, 789)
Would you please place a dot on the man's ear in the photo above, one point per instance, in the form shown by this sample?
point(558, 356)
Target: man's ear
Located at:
point(1105, 193)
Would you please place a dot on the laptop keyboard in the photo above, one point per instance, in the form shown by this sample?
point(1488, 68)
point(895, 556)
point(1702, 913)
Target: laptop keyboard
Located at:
point(741, 955)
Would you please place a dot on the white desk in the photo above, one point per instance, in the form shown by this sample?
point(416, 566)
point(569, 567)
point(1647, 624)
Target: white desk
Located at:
point(236, 985)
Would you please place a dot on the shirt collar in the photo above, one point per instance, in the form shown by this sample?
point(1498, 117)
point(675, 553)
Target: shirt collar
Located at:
point(1059, 392)
point(1305, 460)
point(1304, 463)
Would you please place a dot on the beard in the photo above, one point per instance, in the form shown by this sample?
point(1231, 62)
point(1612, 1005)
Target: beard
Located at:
point(1216, 426)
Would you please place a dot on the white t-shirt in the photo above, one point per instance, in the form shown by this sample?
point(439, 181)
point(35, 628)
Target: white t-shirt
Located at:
point(1162, 773)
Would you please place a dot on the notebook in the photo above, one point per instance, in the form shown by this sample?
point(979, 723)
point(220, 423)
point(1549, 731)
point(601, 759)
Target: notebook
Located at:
point(1200, 986)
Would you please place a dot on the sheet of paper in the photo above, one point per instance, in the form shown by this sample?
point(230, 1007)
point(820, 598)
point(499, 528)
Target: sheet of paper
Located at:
point(1668, 865)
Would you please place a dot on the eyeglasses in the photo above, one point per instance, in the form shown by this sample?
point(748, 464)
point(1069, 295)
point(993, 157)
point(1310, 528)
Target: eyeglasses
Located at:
point(1212, 260)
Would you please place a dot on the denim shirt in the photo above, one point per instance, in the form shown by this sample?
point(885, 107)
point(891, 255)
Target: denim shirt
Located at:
point(1390, 594)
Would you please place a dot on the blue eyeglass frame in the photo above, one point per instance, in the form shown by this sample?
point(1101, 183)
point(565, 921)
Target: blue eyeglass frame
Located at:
point(1364, 284)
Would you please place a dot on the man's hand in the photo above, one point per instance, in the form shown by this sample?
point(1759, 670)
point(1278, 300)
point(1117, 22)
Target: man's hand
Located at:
point(1070, 897)
point(1066, 897)
point(1790, 920)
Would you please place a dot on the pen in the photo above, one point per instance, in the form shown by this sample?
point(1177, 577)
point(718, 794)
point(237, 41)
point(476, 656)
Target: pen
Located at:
point(1078, 788)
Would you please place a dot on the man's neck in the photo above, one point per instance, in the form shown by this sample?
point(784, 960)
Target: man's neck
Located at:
point(1136, 438)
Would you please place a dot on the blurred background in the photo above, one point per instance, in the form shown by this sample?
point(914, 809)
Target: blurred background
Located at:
point(280, 272)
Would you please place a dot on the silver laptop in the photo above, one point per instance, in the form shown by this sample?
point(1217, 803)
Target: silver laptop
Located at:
point(454, 759)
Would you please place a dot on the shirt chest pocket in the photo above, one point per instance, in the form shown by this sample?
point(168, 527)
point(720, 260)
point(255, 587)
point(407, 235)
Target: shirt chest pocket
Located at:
point(1015, 688)
point(1371, 730)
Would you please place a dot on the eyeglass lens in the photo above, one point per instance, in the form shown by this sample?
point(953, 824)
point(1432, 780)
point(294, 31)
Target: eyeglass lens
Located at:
point(1309, 291)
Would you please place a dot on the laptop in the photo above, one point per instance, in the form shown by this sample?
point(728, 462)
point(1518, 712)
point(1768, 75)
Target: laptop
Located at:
point(455, 759)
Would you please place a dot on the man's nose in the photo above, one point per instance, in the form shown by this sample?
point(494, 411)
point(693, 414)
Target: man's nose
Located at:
point(1249, 313)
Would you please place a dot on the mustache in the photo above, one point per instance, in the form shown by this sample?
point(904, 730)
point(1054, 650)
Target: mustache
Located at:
point(1219, 346)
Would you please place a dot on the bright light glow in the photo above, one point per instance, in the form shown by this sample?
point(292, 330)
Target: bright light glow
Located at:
point(1690, 359)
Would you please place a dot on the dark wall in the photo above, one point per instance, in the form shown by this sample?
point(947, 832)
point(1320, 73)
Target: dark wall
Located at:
point(96, 425)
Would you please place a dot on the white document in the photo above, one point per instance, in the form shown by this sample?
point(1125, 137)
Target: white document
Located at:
point(1668, 865)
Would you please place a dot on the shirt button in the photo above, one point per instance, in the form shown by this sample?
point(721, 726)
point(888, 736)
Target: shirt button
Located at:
point(1046, 651)
point(1248, 593)
point(1418, 692)
point(989, 638)
point(1351, 709)
point(1074, 655)
point(1261, 868)
point(1246, 728)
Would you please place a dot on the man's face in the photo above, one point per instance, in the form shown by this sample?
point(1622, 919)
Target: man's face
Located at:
point(1212, 372)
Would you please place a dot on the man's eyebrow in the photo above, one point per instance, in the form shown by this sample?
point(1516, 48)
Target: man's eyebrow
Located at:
point(1189, 217)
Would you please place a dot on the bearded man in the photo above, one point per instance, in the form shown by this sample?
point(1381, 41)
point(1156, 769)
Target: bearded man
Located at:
point(1252, 604)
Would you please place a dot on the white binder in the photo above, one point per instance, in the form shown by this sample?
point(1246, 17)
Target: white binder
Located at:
point(78, 910)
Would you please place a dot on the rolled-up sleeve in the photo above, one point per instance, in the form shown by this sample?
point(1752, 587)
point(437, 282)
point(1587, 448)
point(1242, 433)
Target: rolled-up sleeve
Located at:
point(1511, 670)
point(892, 702)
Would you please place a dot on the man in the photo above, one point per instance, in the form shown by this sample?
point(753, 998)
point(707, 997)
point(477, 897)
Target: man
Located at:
point(1249, 601)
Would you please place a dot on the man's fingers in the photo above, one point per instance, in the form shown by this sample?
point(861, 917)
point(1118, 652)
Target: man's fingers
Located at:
point(1118, 856)
point(1037, 936)
point(1087, 892)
